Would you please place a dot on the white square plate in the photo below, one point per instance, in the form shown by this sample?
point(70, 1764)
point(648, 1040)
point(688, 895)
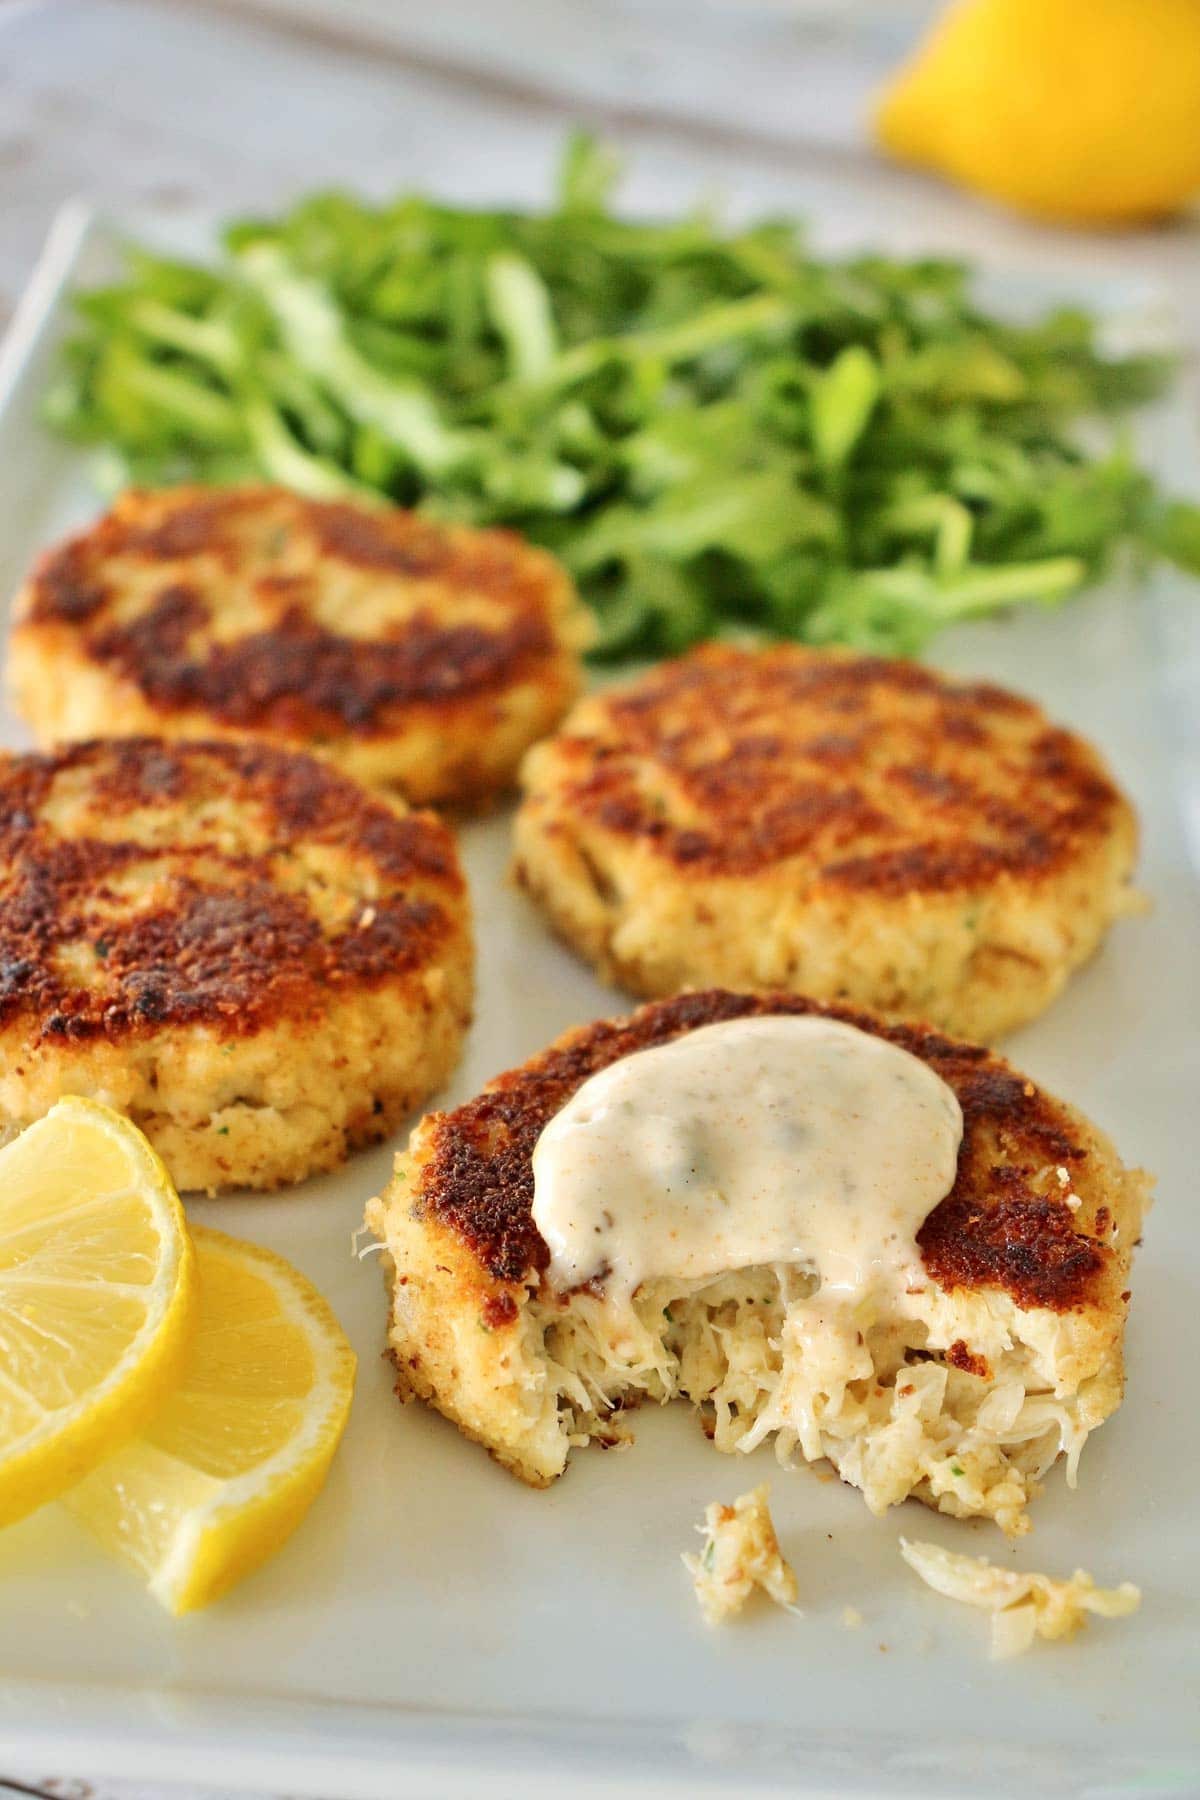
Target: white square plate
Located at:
point(437, 1629)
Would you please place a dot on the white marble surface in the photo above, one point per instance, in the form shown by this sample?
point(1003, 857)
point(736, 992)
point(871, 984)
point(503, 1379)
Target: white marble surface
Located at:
point(31, 1785)
point(795, 71)
point(234, 106)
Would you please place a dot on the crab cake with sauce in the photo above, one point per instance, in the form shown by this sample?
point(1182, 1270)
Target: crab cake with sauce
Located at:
point(843, 826)
point(257, 960)
point(953, 1359)
point(415, 656)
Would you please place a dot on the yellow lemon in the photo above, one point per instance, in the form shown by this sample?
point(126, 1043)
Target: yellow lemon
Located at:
point(96, 1290)
point(1084, 110)
point(229, 1466)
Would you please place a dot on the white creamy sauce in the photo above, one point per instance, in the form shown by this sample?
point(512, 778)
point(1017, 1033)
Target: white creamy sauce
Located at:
point(768, 1140)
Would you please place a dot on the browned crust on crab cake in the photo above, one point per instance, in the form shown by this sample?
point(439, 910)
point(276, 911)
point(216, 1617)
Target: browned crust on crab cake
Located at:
point(846, 826)
point(260, 961)
point(415, 655)
point(1037, 1231)
point(995, 1228)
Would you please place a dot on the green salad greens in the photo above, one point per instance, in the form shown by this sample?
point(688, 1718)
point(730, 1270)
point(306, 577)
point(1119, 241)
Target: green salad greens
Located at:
point(716, 429)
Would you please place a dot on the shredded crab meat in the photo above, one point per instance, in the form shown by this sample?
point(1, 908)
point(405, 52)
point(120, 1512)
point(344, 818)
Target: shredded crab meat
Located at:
point(740, 1553)
point(1023, 1606)
point(877, 1399)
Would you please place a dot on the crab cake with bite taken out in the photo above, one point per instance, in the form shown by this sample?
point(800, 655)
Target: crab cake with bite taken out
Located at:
point(413, 655)
point(260, 962)
point(951, 1353)
point(843, 826)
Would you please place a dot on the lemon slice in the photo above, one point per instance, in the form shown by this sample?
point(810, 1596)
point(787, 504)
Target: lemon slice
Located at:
point(96, 1288)
point(233, 1461)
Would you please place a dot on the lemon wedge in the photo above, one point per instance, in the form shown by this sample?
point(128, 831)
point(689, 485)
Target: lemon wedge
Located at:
point(96, 1290)
point(1083, 110)
point(229, 1466)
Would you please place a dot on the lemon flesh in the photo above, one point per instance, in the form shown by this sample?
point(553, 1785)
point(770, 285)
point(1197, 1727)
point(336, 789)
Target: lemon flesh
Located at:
point(1081, 110)
point(231, 1463)
point(96, 1290)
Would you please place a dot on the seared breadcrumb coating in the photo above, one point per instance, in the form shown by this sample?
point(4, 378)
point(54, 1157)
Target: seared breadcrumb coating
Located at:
point(260, 962)
point(413, 655)
point(858, 830)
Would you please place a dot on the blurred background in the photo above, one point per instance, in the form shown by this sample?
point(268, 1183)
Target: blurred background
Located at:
point(1061, 136)
point(242, 103)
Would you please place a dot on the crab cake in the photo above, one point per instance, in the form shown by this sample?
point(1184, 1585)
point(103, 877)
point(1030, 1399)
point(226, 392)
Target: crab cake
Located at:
point(415, 656)
point(1000, 1350)
point(843, 826)
point(258, 961)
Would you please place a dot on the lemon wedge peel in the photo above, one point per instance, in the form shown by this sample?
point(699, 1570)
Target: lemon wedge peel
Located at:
point(1085, 112)
point(192, 1531)
point(49, 1440)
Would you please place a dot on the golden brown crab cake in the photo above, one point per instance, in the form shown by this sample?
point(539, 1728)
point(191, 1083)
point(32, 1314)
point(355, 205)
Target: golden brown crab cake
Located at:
point(415, 656)
point(257, 960)
point(844, 826)
point(1005, 1354)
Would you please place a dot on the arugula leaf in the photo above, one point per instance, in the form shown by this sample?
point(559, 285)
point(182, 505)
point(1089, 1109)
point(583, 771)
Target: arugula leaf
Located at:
point(718, 430)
